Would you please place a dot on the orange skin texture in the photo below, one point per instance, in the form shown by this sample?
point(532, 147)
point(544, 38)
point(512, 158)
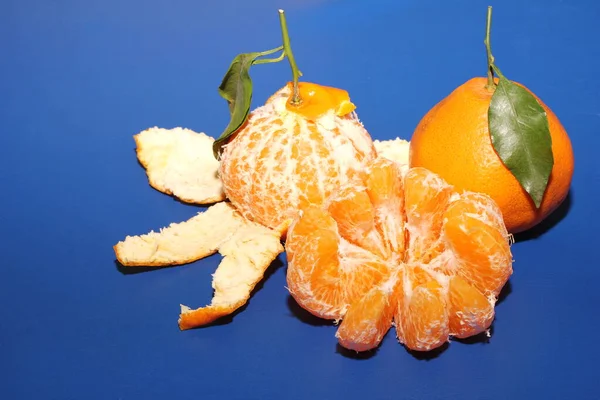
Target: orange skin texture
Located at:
point(317, 100)
point(206, 316)
point(453, 141)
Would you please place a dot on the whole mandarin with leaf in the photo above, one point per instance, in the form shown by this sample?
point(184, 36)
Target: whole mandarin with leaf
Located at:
point(495, 136)
point(296, 150)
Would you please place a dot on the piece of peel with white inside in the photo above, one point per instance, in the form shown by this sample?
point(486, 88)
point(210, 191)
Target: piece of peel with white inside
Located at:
point(180, 162)
point(247, 255)
point(183, 242)
point(396, 150)
point(248, 249)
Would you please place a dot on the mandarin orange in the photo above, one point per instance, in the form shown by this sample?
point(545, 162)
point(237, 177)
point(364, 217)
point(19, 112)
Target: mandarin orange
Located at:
point(453, 141)
point(400, 248)
point(287, 157)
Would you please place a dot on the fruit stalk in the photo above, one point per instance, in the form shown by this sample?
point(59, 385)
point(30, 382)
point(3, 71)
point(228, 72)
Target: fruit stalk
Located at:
point(287, 48)
point(490, 58)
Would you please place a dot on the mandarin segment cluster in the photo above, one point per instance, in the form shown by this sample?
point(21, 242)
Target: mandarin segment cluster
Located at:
point(402, 249)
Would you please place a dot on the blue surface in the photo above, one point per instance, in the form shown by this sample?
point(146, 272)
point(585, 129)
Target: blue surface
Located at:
point(78, 79)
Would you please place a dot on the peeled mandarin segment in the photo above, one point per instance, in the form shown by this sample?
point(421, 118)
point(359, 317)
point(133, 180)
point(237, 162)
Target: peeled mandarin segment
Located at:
point(417, 276)
point(327, 293)
point(384, 182)
point(355, 217)
point(309, 191)
point(237, 165)
point(313, 274)
point(470, 312)
point(384, 187)
point(482, 207)
point(333, 290)
point(426, 198)
point(482, 250)
point(422, 317)
point(408, 279)
point(367, 321)
point(269, 172)
point(343, 281)
point(315, 232)
point(359, 279)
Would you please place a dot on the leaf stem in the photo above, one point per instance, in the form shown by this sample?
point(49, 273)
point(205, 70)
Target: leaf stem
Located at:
point(267, 52)
point(287, 49)
point(490, 58)
point(270, 60)
point(497, 71)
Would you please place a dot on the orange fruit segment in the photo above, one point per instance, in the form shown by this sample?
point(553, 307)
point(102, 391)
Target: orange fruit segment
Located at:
point(338, 272)
point(319, 248)
point(422, 316)
point(400, 248)
point(386, 193)
point(356, 220)
point(367, 321)
point(426, 197)
point(479, 245)
point(469, 311)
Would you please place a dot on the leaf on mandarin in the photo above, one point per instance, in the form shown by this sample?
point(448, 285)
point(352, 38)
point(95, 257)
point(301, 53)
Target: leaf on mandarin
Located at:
point(236, 88)
point(520, 135)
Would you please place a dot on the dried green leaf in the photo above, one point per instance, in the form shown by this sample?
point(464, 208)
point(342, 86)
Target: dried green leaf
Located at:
point(520, 135)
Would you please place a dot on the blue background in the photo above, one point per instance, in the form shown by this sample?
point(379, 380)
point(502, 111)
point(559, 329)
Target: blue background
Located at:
point(79, 78)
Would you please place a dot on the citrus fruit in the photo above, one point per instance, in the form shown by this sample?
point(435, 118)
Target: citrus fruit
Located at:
point(497, 137)
point(453, 140)
point(287, 157)
point(404, 249)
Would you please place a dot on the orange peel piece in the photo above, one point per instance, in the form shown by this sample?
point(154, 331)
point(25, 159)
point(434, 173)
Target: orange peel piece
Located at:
point(318, 100)
point(180, 162)
point(247, 255)
point(183, 242)
point(345, 107)
point(396, 150)
point(248, 249)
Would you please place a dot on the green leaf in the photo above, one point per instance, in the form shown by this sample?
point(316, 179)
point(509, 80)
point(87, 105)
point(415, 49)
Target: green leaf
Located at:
point(520, 135)
point(236, 88)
